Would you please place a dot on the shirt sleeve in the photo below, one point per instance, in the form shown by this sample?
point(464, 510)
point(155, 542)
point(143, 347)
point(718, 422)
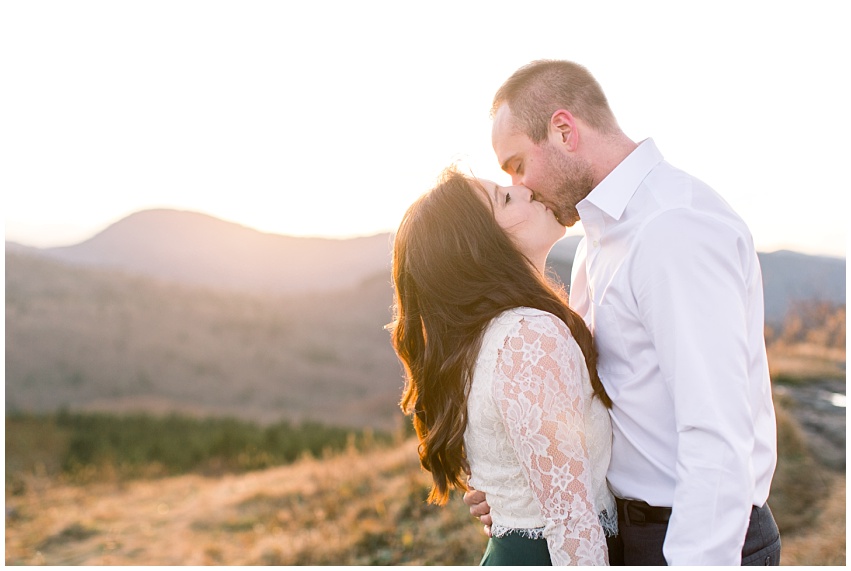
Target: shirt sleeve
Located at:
point(538, 391)
point(692, 297)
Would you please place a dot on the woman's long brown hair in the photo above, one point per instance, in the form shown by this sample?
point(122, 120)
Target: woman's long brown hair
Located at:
point(454, 270)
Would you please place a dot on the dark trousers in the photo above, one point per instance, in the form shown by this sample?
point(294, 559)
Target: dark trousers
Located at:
point(640, 543)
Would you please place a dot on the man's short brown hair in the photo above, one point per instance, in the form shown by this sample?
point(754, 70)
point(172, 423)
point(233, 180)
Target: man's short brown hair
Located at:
point(536, 90)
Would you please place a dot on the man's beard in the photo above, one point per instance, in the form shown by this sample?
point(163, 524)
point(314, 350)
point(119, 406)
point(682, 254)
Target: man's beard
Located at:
point(570, 180)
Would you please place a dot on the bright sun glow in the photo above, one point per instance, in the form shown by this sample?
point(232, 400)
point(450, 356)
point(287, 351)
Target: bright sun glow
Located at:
point(331, 118)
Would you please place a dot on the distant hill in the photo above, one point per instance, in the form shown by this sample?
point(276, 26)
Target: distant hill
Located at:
point(788, 277)
point(176, 311)
point(197, 249)
point(99, 339)
point(16, 248)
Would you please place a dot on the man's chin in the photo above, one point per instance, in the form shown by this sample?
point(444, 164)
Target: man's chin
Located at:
point(567, 220)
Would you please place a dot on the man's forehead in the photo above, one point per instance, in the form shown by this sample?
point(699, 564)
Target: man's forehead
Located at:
point(503, 121)
point(507, 140)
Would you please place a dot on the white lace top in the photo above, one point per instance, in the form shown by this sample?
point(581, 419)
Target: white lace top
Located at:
point(537, 443)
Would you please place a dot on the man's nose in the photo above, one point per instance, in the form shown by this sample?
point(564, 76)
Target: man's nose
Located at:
point(517, 180)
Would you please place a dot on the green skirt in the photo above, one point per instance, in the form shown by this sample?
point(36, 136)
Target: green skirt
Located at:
point(514, 549)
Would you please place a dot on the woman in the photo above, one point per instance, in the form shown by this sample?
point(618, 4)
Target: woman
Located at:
point(501, 376)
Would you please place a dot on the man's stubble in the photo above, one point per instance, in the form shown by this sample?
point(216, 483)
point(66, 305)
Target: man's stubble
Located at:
point(568, 181)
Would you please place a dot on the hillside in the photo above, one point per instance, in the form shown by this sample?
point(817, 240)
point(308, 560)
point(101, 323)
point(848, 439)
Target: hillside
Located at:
point(174, 311)
point(101, 340)
point(350, 509)
point(346, 508)
point(199, 250)
point(790, 277)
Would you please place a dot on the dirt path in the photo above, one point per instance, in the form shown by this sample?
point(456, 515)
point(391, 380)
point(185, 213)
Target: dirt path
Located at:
point(819, 407)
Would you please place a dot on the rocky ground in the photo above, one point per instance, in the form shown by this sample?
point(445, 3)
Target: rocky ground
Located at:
point(819, 407)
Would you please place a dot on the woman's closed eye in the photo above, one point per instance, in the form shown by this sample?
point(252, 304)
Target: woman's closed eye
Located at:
point(507, 197)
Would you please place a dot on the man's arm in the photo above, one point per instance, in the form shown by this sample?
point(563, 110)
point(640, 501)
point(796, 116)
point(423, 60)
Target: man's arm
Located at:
point(690, 285)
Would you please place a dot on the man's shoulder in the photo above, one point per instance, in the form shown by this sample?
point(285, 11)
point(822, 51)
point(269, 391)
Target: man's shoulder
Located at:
point(678, 202)
point(672, 187)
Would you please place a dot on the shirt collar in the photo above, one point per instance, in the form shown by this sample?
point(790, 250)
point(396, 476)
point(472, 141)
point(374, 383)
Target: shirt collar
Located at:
point(614, 192)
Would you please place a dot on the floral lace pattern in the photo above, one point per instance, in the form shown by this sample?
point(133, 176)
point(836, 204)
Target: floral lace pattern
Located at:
point(537, 443)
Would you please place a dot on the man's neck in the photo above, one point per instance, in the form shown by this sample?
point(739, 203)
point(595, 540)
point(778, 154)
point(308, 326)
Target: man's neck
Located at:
point(607, 152)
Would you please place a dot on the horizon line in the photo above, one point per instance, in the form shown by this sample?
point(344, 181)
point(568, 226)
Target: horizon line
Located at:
point(90, 234)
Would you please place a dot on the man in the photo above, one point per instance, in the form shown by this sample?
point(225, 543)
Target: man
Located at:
point(668, 280)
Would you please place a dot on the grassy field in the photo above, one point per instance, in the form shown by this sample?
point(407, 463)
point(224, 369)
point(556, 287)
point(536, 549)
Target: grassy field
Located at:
point(347, 508)
point(101, 490)
point(353, 508)
point(82, 448)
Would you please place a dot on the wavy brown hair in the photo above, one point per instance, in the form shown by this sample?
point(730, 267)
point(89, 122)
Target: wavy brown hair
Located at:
point(454, 270)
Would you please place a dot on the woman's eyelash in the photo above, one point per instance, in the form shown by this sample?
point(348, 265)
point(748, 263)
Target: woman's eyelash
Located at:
point(507, 197)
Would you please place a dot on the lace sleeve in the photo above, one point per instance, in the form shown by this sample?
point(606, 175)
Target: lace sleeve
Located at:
point(539, 394)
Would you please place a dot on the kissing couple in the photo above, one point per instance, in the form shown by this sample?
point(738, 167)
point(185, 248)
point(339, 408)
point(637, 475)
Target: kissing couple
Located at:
point(631, 424)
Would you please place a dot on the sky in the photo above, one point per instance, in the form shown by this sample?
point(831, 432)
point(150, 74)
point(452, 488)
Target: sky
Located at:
point(330, 118)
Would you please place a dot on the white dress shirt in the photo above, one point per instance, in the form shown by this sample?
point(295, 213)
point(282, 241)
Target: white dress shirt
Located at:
point(668, 280)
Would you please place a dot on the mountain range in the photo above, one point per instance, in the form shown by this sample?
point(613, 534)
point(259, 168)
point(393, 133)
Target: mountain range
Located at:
point(179, 311)
point(199, 250)
point(195, 249)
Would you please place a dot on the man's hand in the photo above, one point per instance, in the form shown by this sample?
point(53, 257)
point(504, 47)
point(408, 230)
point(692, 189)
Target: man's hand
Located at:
point(479, 507)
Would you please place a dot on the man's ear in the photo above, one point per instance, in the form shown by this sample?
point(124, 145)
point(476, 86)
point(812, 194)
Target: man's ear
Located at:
point(563, 130)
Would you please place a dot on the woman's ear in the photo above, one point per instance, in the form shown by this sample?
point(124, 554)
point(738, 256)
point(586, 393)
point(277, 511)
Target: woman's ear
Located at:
point(563, 130)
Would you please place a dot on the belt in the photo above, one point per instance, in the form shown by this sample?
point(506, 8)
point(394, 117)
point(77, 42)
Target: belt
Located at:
point(636, 512)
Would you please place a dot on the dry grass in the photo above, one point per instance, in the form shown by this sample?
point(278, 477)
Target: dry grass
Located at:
point(805, 360)
point(348, 510)
point(823, 543)
point(808, 500)
point(799, 482)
